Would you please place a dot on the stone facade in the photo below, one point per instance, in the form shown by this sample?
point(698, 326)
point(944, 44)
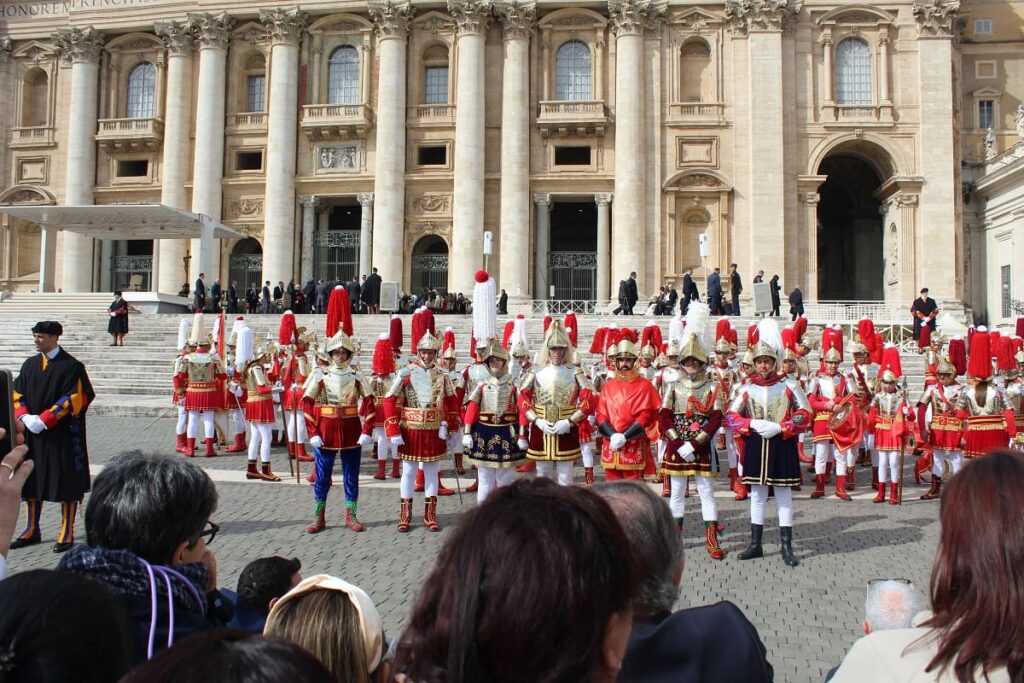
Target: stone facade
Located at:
point(819, 141)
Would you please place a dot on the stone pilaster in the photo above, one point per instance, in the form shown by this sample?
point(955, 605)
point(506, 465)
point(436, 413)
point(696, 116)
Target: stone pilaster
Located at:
point(603, 202)
point(365, 232)
point(541, 245)
point(309, 206)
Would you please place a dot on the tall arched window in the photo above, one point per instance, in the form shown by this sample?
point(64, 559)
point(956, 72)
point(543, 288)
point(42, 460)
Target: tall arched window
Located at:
point(343, 76)
point(696, 72)
point(853, 72)
point(35, 96)
point(435, 75)
point(141, 89)
point(572, 72)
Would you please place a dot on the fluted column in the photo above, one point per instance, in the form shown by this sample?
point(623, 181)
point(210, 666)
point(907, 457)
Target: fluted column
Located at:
point(365, 232)
point(629, 215)
point(169, 255)
point(391, 22)
point(80, 47)
point(309, 205)
point(471, 18)
point(810, 201)
point(285, 28)
point(514, 239)
point(541, 245)
point(212, 34)
point(604, 282)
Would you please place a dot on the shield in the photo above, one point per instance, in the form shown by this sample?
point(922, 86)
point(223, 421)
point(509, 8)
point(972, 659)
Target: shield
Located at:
point(847, 426)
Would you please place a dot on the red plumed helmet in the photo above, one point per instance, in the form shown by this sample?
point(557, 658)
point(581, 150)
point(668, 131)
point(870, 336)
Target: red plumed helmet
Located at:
point(876, 351)
point(286, 331)
point(628, 334)
point(891, 367)
point(481, 276)
point(396, 334)
point(651, 336)
point(722, 329)
point(547, 323)
point(1004, 356)
point(957, 352)
point(339, 312)
point(611, 338)
point(507, 334)
point(597, 345)
point(572, 328)
point(799, 329)
point(418, 328)
point(924, 340)
point(788, 339)
point(428, 321)
point(383, 356)
point(979, 362)
point(732, 335)
point(752, 335)
point(866, 332)
point(449, 339)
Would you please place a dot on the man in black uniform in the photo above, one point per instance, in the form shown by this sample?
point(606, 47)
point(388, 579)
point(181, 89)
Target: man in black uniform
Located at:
point(924, 310)
point(51, 395)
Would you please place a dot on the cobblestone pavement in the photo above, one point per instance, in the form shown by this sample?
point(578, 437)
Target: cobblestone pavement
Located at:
point(808, 616)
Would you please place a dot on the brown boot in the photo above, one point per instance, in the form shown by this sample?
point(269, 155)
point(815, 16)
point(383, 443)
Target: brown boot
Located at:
point(936, 489)
point(430, 514)
point(458, 464)
point(588, 476)
point(841, 493)
point(381, 466)
point(894, 494)
point(319, 521)
point(405, 514)
point(300, 453)
point(711, 540)
point(351, 521)
point(239, 444)
point(267, 475)
point(251, 472)
point(209, 448)
point(880, 498)
point(395, 464)
point(819, 486)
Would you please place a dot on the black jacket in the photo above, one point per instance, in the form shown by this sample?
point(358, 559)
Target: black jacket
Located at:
point(631, 294)
point(796, 298)
point(735, 284)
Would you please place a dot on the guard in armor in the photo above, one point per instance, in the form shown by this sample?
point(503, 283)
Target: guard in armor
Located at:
point(179, 380)
point(1011, 358)
point(727, 380)
point(944, 432)
point(827, 391)
point(234, 390)
point(201, 372)
point(931, 347)
point(449, 360)
point(768, 413)
point(650, 343)
point(989, 420)
point(792, 374)
point(691, 414)
point(296, 368)
point(382, 376)
point(418, 408)
point(864, 382)
point(259, 402)
point(333, 404)
point(491, 434)
point(554, 399)
point(890, 418)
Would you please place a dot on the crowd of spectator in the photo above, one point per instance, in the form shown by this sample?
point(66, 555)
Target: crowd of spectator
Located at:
point(539, 583)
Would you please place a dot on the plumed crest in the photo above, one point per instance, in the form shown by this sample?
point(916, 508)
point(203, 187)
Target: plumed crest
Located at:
point(244, 348)
point(800, 329)
point(769, 339)
point(597, 344)
point(286, 330)
point(891, 368)
point(957, 352)
point(485, 311)
point(675, 329)
point(866, 333)
point(752, 335)
point(572, 327)
point(448, 344)
point(395, 330)
point(183, 329)
point(691, 342)
point(979, 359)
point(383, 362)
point(547, 323)
point(1019, 327)
point(722, 329)
point(197, 335)
point(924, 339)
point(339, 312)
point(518, 336)
point(1005, 362)
point(507, 333)
point(994, 341)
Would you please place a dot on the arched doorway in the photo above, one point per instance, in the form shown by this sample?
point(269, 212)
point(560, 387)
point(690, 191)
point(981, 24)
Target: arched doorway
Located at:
point(245, 265)
point(851, 264)
point(337, 248)
point(430, 265)
point(572, 259)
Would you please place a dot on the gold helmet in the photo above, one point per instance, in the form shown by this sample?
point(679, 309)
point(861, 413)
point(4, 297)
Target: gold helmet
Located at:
point(833, 356)
point(790, 354)
point(340, 341)
point(673, 349)
point(723, 346)
point(748, 358)
point(557, 336)
point(856, 347)
point(519, 349)
point(428, 342)
point(693, 347)
point(626, 346)
point(495, 350)
point(945, 367)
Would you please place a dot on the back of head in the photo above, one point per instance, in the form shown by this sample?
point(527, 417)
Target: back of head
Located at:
point(891, 605)
point(148, 504)
point(975, 587)
point(264, 579)
point(58, 626)
point(230, 656)
point(522, 591)
point(654, 538)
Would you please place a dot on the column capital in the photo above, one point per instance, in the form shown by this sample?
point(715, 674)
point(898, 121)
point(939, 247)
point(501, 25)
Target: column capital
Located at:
point(745, 16)
point(310, 201)
point(212, 31)
point(631, 17)
point(391, 19)
point(284, 25)
point(516, 19)
point(365, 199)
point(178, 37)
point(936, 18)
point(603, 199)
point(471, 16)
point(906, 200)
point(542, 198)
point(5, 52)
point(78, 44)
point(809, 198)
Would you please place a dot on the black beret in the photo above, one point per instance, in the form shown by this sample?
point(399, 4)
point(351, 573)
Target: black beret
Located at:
point(48, 327)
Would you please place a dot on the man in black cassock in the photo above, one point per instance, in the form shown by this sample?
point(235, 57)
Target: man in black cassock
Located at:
point(371, 292)
point(51, 395)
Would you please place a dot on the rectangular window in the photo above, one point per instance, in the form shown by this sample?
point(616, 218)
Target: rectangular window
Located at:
point(986, 69)
point(1004, 282)
point(572, 156)
point(249, 161)
point(986, 114)
point(432, 156)
point(254, 89)
point(982, 27)
point(435, 85)
point(133, 168)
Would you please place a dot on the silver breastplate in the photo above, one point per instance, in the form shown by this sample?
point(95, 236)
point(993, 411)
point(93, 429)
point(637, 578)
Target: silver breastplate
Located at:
point(555, 386)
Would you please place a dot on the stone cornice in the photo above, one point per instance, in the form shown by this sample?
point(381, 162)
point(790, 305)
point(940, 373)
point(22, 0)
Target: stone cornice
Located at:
point(211, 30)
point(516, 19)
point(630, 17)
point(78, 44)
point(745, 16)
point(178, 36)
point(390, 19)
point(471, 16)
point(936, 18)
point(284, 25)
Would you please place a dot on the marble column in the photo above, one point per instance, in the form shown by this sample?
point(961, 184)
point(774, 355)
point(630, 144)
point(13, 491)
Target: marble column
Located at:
point(309, 205)
point(80, 47)
point(284, 27)
point(391, 22)
point(169, 255)
point(810, 202)
point(604, 253)
point(212, 32)
point(514, 238)
point(365, 232)
point(472, 18)
point(542, 245)
point(629, 215)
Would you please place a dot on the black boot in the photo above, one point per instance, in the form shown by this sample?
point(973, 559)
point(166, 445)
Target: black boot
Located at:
point(786, 532)
point(754, 549)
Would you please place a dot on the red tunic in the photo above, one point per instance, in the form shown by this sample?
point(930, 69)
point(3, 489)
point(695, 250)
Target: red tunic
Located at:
point(623, 402)
point(890, 430)
point(419, 427)
point(818, 401)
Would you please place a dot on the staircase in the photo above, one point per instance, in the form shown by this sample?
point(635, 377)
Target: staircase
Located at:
point(135, 380)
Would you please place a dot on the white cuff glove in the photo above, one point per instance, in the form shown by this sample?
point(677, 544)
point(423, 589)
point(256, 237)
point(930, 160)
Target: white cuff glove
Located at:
point(230, 371)
point(33, 423)
point(364, 439)
point(543, 425)
point(562, 427)
point(234, 389)
point(765, 428)
point(397, 440)
point(442, 432)
point(467, 441)
point(617, 441)
point(523, 444)
point(277, 388)
point(686, 452)
point(316, 442)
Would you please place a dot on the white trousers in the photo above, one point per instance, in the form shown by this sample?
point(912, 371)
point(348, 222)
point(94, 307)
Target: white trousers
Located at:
point(825, 451)
point(259, 441)
point(547, 468)
point(454, 442)
point(298, 422)
point(408, 482)
point(491, 478)
point(940, 457)
point(385, 449)
point(587, 451)
point(182, 425)
point(730, 448)
point(193, 423)
point(706, 491)
point(783, 502)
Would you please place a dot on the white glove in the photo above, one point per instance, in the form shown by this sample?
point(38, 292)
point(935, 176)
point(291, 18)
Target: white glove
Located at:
point(562, 427)
point(397, 440)
point(686, 452)
point(467, 441)
point(617, 441)
point(33, 423)
point(316, 442)
point(234, 388)
point(592, 419)
point(364, 439)
point(543, 425)
point(442, 432)
point(765, 428)
point(230, 371)
point(523, 444)
point(277, 388)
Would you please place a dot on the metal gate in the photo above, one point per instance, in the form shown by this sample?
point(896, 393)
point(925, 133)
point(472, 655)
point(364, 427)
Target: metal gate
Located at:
point(246, 269)
point(430, 271)
point(574, 276)
point(337, 255)
point(131, 273)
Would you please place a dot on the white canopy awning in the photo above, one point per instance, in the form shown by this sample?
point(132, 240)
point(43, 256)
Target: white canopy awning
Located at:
point(123, 221)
